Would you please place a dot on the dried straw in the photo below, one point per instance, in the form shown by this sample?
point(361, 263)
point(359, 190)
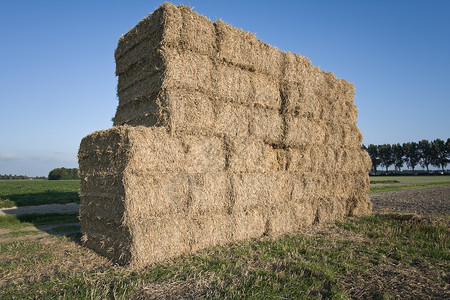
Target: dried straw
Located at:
point(217, 137)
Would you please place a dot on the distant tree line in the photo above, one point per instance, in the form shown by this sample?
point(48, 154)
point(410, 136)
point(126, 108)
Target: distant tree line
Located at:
point(14, 177)
point(425, 153)
point(63, 174)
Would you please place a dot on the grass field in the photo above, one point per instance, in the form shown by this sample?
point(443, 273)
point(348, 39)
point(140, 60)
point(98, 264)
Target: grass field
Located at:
point(393, 183)
point(377, 257)
point(37, 192)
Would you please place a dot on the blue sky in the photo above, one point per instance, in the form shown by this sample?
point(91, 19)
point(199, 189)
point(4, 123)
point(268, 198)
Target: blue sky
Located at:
point(57, 81)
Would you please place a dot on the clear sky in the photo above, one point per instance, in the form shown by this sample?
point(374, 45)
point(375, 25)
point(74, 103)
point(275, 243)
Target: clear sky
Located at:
point(57, 81)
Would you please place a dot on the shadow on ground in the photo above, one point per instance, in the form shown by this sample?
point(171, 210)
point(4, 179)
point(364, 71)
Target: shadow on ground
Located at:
point(48, 197)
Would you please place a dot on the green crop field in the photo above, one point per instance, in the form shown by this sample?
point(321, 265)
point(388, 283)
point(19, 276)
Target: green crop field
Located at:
point(393, 183)
point(37, 192)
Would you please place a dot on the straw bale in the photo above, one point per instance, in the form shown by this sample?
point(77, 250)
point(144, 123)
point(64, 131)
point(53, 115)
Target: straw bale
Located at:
point(248, 224)
point(303, 210)
point(107, 238)
point(190, 112)
point(270, 60)
point(149, 65)
point(251, 155)
point(152, 195)
point(319, 159)
point(158, 238)
point(136, 109)
point(236, 45)
point(260, 190)
point(173, 26)
point(98, 206)
point(296, 68)
point(187, 70)
point(101, 153)
point(266, 124)
point(299, 101)
point(144, 55)
point(150, 30)
point(230, 119)
point(204, 154)
point(206, 230)
point(267, 92)
point(285, 218)
point(230, 139)
point(146, 89)
point(245, 87)
point(340, 113)
point(337, 89)
point(343, 134)
point(97, 185)
point(243, 49)
point(150, 149)
point(301, 131)
point(233, 84)
point(198, 32)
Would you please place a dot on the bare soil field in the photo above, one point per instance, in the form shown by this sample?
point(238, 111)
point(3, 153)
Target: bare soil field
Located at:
point(424, 201)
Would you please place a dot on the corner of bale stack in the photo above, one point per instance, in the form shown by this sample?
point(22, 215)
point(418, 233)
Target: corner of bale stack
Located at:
point(217, 137)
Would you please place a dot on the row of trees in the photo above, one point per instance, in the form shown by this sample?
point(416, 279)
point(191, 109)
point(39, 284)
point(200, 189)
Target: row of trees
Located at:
point(63, 174)
point(425, 153)
point(22, 177)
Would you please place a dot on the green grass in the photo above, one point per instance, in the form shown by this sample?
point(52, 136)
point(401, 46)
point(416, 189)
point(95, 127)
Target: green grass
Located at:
point(37, 192)
point(383, 181)
point(20, 233)
point(413, 179)
point(16, 222)
point(349, 259)
point(406, 182)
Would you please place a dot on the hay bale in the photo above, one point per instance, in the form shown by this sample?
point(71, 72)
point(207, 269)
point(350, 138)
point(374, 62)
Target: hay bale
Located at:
point(217, 137)
point(198, 33)
point(251, 155)
point(260, 190)
point(143, 90)
point(301, 131)
point(266, 124)
point(244, 50)
point(187, 70)
point(242, 86)
point(110, 239)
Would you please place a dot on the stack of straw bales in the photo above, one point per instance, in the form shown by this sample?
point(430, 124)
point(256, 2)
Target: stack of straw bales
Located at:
point(218, 137)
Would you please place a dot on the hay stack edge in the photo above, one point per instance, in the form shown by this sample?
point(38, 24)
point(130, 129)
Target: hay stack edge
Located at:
point(218, 137)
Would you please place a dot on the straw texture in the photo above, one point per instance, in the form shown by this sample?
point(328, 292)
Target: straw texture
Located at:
point(217, 137)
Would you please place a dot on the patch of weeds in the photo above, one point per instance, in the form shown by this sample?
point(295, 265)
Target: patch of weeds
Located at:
point(6, 203)
point(379, 189)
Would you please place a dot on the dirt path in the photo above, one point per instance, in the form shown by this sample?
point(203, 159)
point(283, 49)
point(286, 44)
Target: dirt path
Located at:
point(69, 208)
point(424, 201)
